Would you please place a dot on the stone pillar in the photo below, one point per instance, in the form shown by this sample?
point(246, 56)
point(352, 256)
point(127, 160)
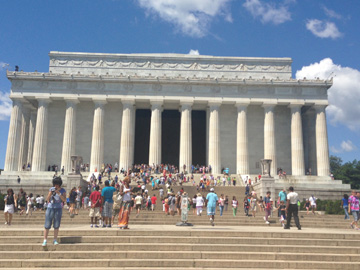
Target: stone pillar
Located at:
point(127, 135)
point(155, 134)
point(185, 157)
point(23, 147)
point(269, 137)
point(32, 124)
point(68, 149)
point(322, 147)
point(133, 119)
point(97, 142)
point(297, 145)
point(12, 150)
point(242, 153)
point(214, 138)
point(40, 141)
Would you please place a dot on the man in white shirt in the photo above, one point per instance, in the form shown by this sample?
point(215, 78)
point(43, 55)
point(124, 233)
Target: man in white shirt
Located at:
point(292, 208)
point(312, 201)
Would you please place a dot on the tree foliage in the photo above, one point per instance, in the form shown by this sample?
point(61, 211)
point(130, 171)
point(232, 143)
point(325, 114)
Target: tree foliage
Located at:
point(349, 172)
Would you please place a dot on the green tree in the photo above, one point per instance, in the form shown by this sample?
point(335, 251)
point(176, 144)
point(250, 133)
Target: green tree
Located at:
point(349, 172)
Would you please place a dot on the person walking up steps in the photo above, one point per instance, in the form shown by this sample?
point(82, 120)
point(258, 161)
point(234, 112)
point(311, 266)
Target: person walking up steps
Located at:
point(211, 199)
point(234, 204)
point(354, 209)
point(292, 208)
point(95, 199)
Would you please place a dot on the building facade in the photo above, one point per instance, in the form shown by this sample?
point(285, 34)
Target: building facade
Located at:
point(227, 112)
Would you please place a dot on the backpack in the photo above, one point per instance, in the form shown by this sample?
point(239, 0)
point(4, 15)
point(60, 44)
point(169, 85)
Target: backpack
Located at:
point(169, 200)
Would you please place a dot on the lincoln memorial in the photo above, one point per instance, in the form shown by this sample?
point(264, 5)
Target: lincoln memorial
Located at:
point(227, 112)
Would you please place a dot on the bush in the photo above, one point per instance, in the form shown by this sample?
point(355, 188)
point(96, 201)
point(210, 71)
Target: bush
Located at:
point(330, 207)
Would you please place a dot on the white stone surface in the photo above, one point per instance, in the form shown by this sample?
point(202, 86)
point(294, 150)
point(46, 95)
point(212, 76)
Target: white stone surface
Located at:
point(97, 143)
point(23, 144)
point(185, 157)
point(297, 146)
point(269, 137)
point(242, 153)
point(127, 135)
point(214, 138)
point(155, 133)
point(322, 147)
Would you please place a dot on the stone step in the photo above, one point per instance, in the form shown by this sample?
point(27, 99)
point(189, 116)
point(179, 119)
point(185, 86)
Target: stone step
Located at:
point(182, 255)
point(185, 263)
point(160, 247)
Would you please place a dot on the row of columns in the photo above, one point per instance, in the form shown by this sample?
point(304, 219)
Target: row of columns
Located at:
point(27, 141)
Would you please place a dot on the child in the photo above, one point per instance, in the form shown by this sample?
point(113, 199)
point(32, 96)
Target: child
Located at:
point(246, 206)
point(307, 206)
point(282, 207)
point(234, 204)
point(267, 205)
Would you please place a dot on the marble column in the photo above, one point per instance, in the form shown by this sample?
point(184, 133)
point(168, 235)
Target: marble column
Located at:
point(269, 137)
point(127, 135)
point(322, 147)
point(214, 138)
point(185, 157)
point(23, 147)
point(97, 142)
point(69, 140)
point(32, 124)
point(12, 150)
point(297, 145)
point(155, 134)
point(41, 132)
point(242, 152)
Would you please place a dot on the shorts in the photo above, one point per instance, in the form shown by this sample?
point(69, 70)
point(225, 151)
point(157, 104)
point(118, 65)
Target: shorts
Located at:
point(107, 210)
point(77, 205)
point(138, 206)
point(9, 208)
point(94, 212)
point(53, 216)
point(253, 208)
point(172, 207)
point(355, 215)
point(116, 212)
point(211, 210)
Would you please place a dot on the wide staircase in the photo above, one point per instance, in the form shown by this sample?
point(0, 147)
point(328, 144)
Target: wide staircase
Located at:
point(154, 242)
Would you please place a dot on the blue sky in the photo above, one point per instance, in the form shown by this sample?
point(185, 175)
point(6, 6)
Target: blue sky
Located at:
point(322, 37)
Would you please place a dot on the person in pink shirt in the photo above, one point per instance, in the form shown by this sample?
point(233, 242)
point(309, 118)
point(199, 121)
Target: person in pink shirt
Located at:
point(153, 202)
point(354, 209)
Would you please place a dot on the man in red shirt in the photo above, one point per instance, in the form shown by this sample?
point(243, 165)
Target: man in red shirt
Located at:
point(95, 199)
point(153, 202)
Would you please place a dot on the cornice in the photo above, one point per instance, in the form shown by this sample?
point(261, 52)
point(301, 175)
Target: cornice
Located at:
point(43, 78)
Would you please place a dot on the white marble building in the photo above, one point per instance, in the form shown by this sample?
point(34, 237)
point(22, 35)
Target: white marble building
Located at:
point(86, 105)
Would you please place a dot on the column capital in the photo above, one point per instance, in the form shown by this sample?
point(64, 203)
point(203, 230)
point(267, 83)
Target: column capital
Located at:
point(156, 104)
point(128, 101)
point(99, 102)
point(320, 107)
point(71, 102)
point(242, 106)
point(295, 107)
point(214, 105)
point(43, 101)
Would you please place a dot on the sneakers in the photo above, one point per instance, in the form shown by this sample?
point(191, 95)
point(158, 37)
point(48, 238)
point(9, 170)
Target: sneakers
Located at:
point(104, 225)
point(96, 226)
point(44, 244)
point(91, 225)
point(351, 226)
point(286, 228)
point(109, 225)
point(55, 243)
point(267, 222)
point(6, 223)
point(264, 218)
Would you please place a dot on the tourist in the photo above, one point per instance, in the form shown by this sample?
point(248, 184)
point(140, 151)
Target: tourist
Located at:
point(153, 202)
point(253, 204)
point(117, 198)
point(247, 190)
point(226, 203)
point(193, 203)
point(72, 200)
point(138, 202)
point(171, 203)
point(292, 209)
point(10, 205)
point(30, 204)
point(22, 201)
point(234, 205)
point(267, 206)
point(282, 197)
point(95, 201)
point(124, 214)
point(211, 199)
point(221, 204)
point(312, 201)
point(107, 200)
point(282, 209)
point(199, 203)
point(261, 204)
point(246, 206)
point(345, 205)
point(86, 201)
point(148, 203)
point(354, 209)
point(307, 206)
point(55, 198)
point(78, 200)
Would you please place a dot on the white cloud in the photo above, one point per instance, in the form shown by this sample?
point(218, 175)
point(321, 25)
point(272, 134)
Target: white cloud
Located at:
point(194, 52)
point(3, 65)
point(331, 13)
point(344, 95)
point(191, 17)
point(345, 146)
point(5, 106)
point(269, 12)
point(323, 29)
